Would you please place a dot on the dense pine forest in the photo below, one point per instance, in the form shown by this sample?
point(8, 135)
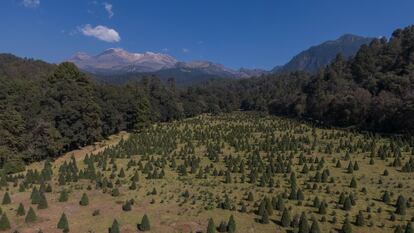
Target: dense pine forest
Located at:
point(46, 110)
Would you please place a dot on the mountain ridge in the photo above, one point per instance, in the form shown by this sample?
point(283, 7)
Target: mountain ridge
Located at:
point(119, 62)
point(321, 55)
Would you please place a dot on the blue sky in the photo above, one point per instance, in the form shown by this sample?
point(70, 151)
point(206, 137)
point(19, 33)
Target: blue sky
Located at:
point(236, 33)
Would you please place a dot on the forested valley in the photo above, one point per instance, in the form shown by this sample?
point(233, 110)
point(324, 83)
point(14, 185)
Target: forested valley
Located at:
point(46, 110)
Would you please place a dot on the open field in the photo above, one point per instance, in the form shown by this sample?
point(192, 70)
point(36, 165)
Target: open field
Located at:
point(251, 166)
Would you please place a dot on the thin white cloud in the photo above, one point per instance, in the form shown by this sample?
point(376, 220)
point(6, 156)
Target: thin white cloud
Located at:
point(108, 8)
point(31, 3)
point(100, 32)
point(185, 50)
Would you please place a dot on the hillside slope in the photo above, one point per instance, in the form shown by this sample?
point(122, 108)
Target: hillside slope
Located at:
point(321, 55)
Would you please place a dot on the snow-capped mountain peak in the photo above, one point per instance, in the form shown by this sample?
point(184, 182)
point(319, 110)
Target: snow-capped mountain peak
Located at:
point(119, 61)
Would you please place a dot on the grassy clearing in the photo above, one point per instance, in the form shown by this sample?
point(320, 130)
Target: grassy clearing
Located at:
point(196, 164)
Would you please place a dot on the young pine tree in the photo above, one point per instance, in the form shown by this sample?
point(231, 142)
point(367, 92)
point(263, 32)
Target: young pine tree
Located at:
point(20, 210)
point(315, 226)
point(84, 200)
point(4, 223)
point(222, 227)
point(265, 217)
point(347, 203)
point(145, 224)
point(261, 208)
point(386, 197)
point(115, 192)
point(280, 205)
point(303, 224)
point(322, 208)
point(401, 206)
point(360, 221)
point(6, 199)
point(35, 196)
point(31, 216)
point(211, 227)
point(127, 206)
point(231, 225)
point(353, 183)
point(42, 202)
point(64, 196)
point(115, 227)
point(63, 222)
point(346, 227)
point(286, 219)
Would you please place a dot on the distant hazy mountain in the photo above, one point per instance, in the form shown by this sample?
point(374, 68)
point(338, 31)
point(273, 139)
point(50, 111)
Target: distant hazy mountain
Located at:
point(321, 55)
point(118, 63)
point(119, 66)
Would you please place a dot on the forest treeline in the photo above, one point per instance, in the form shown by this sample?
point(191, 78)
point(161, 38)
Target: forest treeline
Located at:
point(61, 108)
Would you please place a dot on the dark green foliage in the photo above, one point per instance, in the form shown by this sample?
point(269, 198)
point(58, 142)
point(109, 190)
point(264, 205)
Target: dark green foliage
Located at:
point(401, 206)
point(6, 198)
point(371, 91)
point(286, 219)
point(409, 228)
point(231, 225)
point(145, 224)
point(84, 201)
point(42, 202)
point(133, 185)
point(222, 227)
point(303, 224)
point(272, 155)
point(299, 195)
point(13, 166)
point(353, 183)
point(63, 222)
point(127, 206)
point(227, 178)
point(322, 208)
point(280, 204)
point(64, 196)
point(386, 197)
point(115, 227)
point(211, 227)
point(316, 57)
point(360, 220)
point(121, 173)
point(262, 208)
point(20, 210)
point(243, 208)
point(347, 203)
point(315, 227)
point(17, 68)
point(369, 78)
point(35, 196)
point(31, 216)
point(264, 217)
point(346, 227)
point(4, 223)
point(115, 192)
